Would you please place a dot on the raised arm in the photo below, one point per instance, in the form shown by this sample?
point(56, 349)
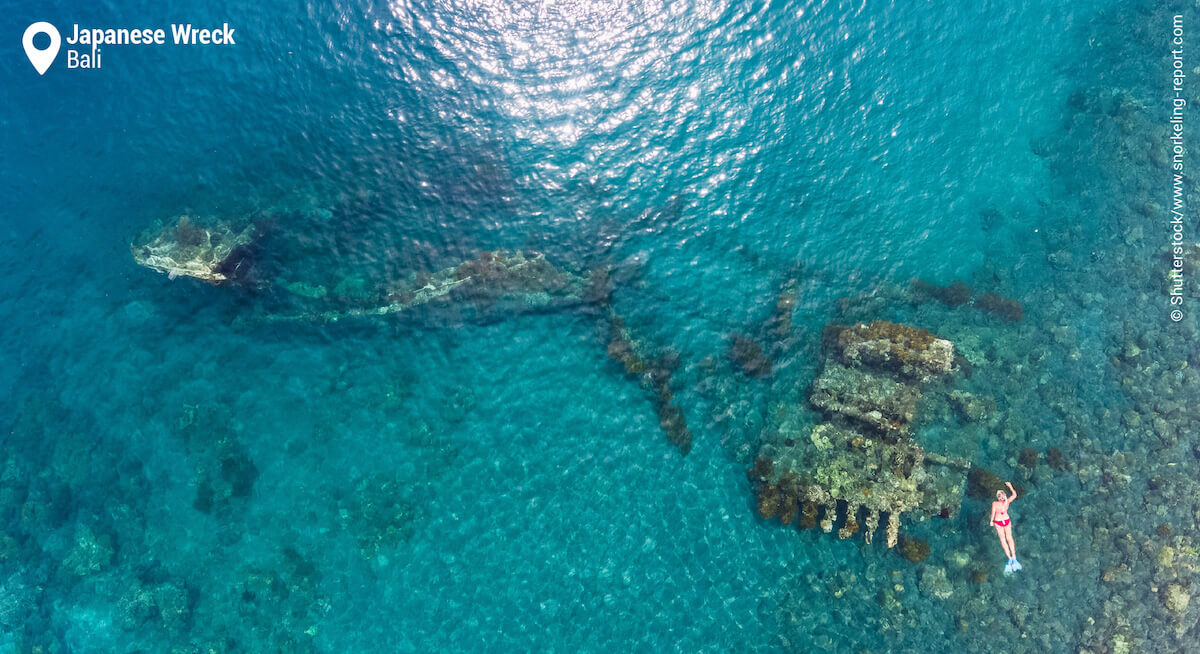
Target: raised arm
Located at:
point(1014, 491)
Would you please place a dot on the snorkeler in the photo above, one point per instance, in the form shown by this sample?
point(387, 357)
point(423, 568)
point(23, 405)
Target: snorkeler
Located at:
point(1003, 525)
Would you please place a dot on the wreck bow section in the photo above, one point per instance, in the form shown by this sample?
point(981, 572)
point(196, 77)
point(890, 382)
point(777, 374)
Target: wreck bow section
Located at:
point(213, 251)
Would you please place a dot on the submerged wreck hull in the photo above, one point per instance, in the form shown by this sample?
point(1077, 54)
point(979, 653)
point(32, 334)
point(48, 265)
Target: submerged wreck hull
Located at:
point(493, 283)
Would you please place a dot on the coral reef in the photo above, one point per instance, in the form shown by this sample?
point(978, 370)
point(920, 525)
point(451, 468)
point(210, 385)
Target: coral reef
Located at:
point(209, 250)
point(378, 513)
point(224, 474)
point(163, 605)
point(92, 552)
point(287, 599)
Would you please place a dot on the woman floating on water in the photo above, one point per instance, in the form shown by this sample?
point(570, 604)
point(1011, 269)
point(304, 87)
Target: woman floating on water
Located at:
point(1003, 525)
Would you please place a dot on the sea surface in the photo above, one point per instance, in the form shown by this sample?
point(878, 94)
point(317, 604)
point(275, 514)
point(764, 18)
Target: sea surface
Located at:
point(183, 471)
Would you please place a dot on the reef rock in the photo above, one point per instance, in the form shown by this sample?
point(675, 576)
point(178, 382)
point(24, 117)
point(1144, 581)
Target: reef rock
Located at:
point(209, 250)
point(91, 552)
point(1005, 307)
point(914, 550)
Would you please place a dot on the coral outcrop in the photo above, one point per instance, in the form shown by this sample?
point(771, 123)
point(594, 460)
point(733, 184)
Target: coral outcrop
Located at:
point(209, 250)
point(983, 484)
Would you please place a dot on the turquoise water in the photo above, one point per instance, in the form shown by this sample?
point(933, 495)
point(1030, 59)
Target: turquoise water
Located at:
point(180, 471)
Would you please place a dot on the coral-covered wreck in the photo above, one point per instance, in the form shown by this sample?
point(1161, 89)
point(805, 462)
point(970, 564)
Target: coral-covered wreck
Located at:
point(859, 466)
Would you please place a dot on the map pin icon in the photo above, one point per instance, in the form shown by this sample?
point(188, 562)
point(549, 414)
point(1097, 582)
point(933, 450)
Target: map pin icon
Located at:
point(41, 59)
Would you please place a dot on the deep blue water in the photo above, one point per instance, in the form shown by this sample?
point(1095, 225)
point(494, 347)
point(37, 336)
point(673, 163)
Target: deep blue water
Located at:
point(708, 146)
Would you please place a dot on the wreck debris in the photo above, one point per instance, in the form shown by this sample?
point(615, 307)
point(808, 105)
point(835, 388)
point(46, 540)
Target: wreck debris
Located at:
point(508, 280)
point(653, 375)
point(209, 250)
point(779, 325)
point(214, 251)
point(755, 356)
